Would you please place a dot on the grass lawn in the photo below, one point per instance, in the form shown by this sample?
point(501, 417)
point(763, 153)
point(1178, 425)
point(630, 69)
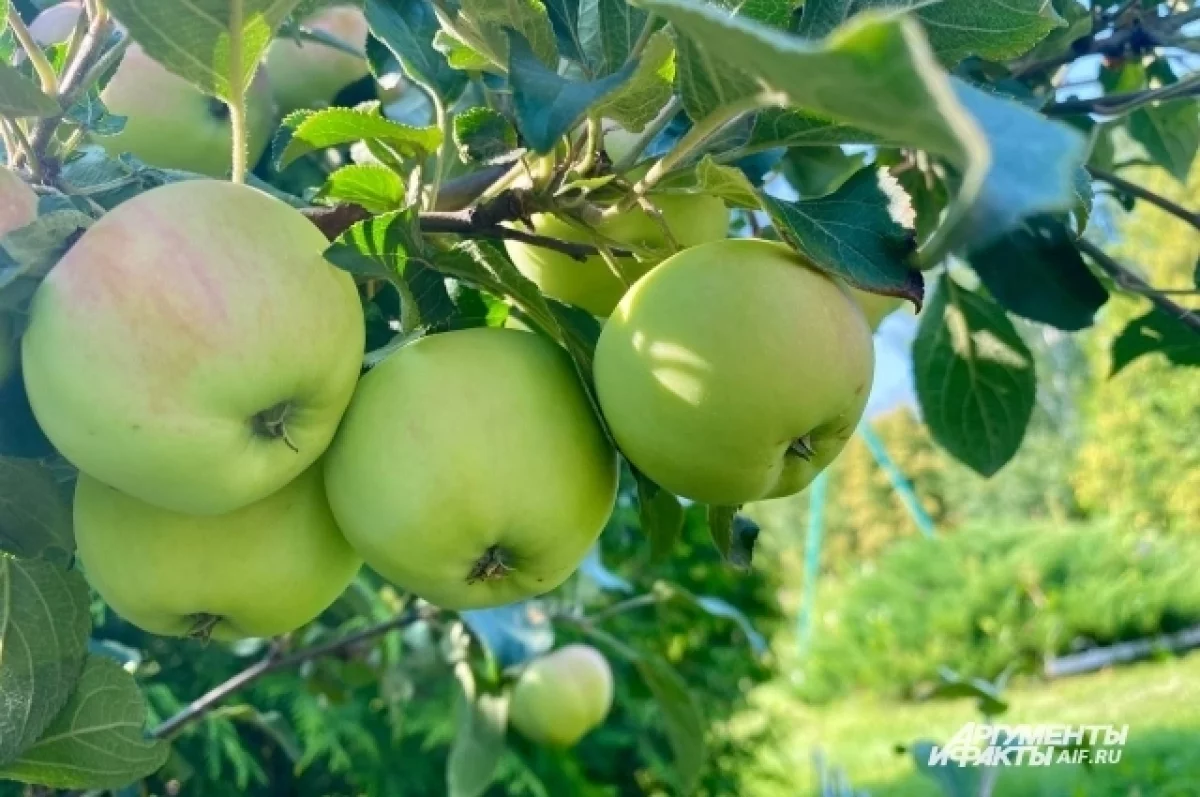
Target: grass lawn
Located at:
point(1160, 701)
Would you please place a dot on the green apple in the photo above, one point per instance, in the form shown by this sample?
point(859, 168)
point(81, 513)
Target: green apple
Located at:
point(471, 470)
point(259, 571)
point(735, 371)
point(309, 74)
point(692, 219)
point(876, 306)
point(194, 349)
point(171, 124)
point(18, 207)
point(561, 696)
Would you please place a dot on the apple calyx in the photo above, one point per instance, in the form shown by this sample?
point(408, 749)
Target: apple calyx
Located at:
point(271, 423)
point(489, 567)
point(203, 626)
point(802, 447)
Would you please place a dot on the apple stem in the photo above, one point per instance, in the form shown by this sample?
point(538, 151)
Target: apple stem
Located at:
point(271, 424)
point(203, 627)
point(237, 93)
point(489, 567)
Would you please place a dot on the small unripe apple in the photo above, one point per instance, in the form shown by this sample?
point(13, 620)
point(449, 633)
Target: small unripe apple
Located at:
point(561, 696)
point(471, 469)
point(194, 348)
point(692, 219)
point(18, 207)
point(734, 371)
point(876, 306)
point(259, 571)
point(309, 74)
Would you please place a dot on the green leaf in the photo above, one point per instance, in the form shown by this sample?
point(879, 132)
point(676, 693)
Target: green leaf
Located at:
point(680, 714)
point(407, 28)
point(608, 29)
point(951, 685)
point(485, 26)
point(20, 97)
point(718, 607)
point(309, 131)
point(709, 177)
point(733, 534)
point(705, 84)
point(214, 44)
point(28, 253)
point(483, 135)
point(819, 171)
point(993, 29)
point(638, 102)
point(478, 743)
point(371, 185)
point(974, 378)
point(852, 234)
point(661, 516)
point(1037, 273)
point(460, 55)
point(1170, 132)
point(1078, 24)
point(878, 74)
point(389, 247)
point(483, 265)
point(546, 104)
point(98, 739)
point(35, 518)
point(787, 127)
point(1156, 333)
point(44, 625)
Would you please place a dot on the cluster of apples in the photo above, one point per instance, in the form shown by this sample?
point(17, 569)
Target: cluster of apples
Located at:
point(193, 355)
point(171, 124)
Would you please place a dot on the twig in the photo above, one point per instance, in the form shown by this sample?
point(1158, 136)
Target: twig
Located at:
point(79, 74)
point(273, 662)
point(37, 58)
point(1114, 104)
point(1133, 189)
point(1141, 35)
point(1132, 282)
point(485, 220)
point(629, 604)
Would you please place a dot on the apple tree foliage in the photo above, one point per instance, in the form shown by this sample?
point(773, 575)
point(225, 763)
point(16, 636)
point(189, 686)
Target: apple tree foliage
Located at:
point(933, 151)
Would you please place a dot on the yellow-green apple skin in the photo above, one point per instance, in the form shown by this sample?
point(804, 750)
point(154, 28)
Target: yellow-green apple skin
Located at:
point(692, 219)
point(876, 306)
point(18, 207)
point(309, 74)
point(734, 372)
point(171, 124)
point(561, 696)
point(471, 470)
point(262, 570)
point(194, 349)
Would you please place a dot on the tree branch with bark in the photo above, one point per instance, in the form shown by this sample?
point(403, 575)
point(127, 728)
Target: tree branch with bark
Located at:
point(275, 660)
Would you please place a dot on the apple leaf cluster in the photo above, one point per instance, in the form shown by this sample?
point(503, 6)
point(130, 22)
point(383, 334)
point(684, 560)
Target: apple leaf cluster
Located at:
point(595, 255)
